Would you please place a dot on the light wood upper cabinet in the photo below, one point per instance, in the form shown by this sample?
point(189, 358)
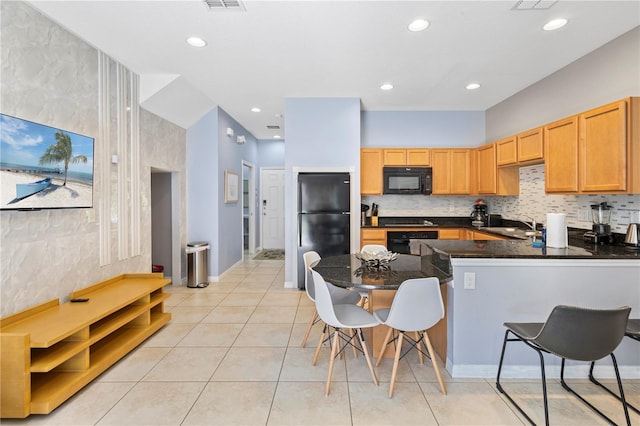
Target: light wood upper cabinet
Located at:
point(597, 151)
point(531, 146)
point(418, 157)
point(523, 148)
point(441, 164)
point(507, 151)
point(395, 157)
point(561, 159)
point(371, 171)
point(603, 148)
point(407, 157)
point(451, 171)
point(486, 179)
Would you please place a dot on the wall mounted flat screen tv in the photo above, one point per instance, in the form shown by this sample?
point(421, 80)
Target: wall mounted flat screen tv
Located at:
point(43, 167)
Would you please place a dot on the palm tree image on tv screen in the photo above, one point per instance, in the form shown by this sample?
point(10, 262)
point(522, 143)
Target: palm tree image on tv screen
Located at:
point(62, 151)
point(43, 167)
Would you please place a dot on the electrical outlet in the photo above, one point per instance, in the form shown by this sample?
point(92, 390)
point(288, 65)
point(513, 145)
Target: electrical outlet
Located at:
point(583, 214)
point(634, 216)
point(451, 206)
point(469, 280)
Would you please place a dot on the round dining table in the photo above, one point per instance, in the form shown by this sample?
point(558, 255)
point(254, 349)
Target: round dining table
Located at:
point(348, 271)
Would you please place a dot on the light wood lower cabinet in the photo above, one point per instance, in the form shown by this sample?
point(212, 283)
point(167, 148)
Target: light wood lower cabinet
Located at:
point(373, 236)
point(449, 234)
point(481, 236)
point(49, 352)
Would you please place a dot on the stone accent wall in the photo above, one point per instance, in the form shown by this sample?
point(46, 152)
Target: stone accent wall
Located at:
point(52, 77)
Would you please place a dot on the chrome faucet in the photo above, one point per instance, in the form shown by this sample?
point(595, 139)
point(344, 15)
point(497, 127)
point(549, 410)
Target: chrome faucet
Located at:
point(531, 225)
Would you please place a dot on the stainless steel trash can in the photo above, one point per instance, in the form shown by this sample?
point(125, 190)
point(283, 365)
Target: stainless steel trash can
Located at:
point(197, 264)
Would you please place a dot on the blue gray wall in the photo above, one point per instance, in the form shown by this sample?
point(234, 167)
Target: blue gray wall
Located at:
point(322, 133)
point(210, 152)
point(438, 129)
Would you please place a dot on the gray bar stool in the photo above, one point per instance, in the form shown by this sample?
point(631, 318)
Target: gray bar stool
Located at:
point(573, 333)
point(632, 331)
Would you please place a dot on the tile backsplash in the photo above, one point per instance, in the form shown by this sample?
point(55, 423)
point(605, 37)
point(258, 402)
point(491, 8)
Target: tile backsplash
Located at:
point(531, 203)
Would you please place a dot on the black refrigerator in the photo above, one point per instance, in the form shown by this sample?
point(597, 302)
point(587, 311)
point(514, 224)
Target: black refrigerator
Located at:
point(323, 216)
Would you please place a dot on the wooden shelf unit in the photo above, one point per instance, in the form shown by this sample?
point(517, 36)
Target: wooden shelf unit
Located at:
point(52, 350)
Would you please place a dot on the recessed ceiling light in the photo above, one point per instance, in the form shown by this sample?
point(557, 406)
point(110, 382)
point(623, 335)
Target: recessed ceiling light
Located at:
point(555, 24)
point(473, 86)
point(255, 109)
point(278, 115)
point(196, 42)
point(386, 86)
point(418, 25)
point(277, 136)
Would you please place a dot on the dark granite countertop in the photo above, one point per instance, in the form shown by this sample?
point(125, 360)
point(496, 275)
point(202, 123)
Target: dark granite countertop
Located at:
point(512, 248)
point(515, 249)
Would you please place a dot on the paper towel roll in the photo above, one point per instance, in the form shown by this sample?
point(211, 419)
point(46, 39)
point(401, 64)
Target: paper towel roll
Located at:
point(557, 230)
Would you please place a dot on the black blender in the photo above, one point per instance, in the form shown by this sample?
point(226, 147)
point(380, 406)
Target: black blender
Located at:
point(601, 230)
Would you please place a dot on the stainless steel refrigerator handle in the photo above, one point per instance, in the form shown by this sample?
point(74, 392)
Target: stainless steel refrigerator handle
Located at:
point(299, 233)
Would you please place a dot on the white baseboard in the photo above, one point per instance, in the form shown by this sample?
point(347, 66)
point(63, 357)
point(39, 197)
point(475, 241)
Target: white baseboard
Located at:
point(533, 372)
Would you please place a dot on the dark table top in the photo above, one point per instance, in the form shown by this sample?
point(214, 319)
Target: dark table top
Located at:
point(348, 271)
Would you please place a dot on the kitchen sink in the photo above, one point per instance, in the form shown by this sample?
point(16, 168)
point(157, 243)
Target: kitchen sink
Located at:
point(520, 233)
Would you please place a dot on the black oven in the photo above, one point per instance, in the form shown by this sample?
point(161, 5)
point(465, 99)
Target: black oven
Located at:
point(398, 241)
point(407, 180)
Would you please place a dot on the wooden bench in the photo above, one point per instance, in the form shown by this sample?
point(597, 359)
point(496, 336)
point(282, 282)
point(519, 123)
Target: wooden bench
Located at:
point(52, 350)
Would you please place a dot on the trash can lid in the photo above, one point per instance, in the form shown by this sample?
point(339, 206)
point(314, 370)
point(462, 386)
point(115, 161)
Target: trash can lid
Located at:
point(197, 244)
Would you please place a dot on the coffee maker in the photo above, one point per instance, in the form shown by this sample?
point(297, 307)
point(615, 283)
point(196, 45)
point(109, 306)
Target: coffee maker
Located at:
point(479, 214)
point(601, 229)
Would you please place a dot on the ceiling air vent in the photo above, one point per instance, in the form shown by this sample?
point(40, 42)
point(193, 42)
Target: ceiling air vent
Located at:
point(224, 4)
point(273, 126)
point(533, 4)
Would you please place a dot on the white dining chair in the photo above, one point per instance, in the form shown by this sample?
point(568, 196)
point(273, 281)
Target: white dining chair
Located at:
point(338, 295)
point(339, 317)
point(416, 307)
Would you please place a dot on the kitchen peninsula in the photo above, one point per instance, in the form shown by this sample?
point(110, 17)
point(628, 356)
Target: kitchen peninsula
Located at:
point(499, 281)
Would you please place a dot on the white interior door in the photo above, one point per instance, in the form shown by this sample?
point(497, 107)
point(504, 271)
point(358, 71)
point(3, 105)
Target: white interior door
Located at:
point(272, 190)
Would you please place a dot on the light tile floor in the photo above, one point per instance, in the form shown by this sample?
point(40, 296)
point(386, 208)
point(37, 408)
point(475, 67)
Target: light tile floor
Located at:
point(231, 356)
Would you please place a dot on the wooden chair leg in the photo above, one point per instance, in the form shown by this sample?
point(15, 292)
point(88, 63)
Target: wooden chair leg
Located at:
point(396, 360)
point(355, 350)
point(434, 361)
point(322, 336)
point(383, 348)
point(334, 351)
point(309, 327)
point(366, 355)
point(416, 335)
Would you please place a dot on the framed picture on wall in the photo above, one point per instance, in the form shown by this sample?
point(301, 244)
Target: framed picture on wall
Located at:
point(230, 187)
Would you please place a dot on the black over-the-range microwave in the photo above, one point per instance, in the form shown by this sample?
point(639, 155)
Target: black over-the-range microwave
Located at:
point(407, 180)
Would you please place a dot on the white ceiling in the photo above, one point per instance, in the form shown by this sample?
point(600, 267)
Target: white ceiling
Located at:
point(273, 50)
